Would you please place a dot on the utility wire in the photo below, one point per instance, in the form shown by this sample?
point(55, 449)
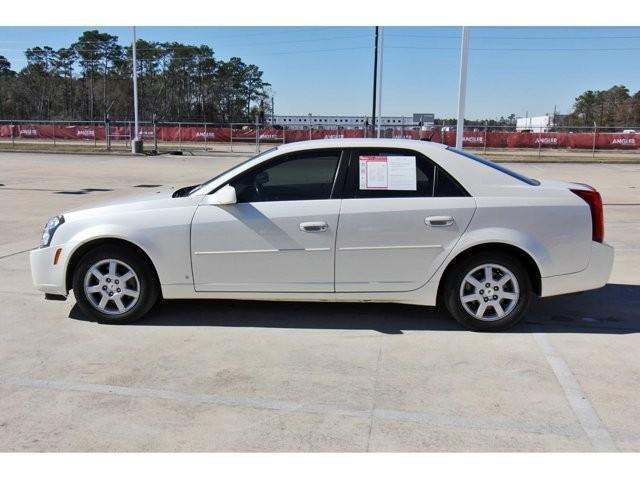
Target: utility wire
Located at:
point(292, 52)
point(250, 34)
point(169, 50)
point(411, 47)
point(500, 37)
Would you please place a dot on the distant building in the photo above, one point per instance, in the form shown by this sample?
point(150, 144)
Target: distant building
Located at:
point(535, 124)
point(350, 121)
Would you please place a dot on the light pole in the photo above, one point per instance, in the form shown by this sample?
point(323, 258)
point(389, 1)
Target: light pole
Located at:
point(273, 110)
point(380, 81)
point(462, 89)
point(375, 79)
point(136, 144)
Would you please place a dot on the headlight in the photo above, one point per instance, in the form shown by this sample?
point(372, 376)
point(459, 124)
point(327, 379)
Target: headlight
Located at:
point(49, 229)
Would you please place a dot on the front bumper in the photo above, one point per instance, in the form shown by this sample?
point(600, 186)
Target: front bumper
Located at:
point(594, 276)
point(47, 277)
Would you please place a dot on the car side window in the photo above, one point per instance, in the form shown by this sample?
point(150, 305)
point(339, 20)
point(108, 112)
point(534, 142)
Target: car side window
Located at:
point(446, 186)
point(299, 176)
point(424, 172)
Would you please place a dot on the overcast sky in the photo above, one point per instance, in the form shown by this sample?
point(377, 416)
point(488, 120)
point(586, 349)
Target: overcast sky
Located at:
point(328, 70)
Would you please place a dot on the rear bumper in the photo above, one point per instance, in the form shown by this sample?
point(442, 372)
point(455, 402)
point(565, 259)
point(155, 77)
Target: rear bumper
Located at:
point(47, 277)
point(594, 276)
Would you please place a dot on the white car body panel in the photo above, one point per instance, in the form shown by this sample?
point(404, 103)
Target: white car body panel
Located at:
point(155, 223)
point(261, 247)
point(372, 250)
point(384, 244)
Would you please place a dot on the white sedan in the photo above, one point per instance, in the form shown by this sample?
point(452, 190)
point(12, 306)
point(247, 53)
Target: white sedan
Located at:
point(336, 220)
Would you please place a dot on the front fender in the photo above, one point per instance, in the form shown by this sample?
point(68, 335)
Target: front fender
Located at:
point(109, 231)
point(166, 245)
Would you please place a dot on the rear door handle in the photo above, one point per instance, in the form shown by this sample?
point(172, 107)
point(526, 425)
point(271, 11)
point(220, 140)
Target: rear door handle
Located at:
point(439, 220)
point(314, 226)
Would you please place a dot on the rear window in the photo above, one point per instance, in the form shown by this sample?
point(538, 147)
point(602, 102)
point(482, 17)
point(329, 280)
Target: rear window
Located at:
point(495, 166)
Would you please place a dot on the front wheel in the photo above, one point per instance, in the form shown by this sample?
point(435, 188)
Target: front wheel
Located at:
point(114, 285)
point(488, 292)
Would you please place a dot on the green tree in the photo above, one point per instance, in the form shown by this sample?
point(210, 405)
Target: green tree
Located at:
point(98, 52)
point(177, 82)
point(7, 76)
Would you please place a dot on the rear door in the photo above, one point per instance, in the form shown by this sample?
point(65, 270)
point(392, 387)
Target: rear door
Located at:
point(394, 239)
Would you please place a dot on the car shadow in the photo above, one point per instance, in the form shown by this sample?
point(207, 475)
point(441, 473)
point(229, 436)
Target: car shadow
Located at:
point(614, 309)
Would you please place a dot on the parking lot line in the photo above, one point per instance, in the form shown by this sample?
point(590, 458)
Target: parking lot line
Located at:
point(375, 395)
point(426, 418)
point(16, 253)
point(587, 416)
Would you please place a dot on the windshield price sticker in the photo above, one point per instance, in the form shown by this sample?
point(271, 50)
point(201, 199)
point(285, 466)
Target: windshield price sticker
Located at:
point(388, 173)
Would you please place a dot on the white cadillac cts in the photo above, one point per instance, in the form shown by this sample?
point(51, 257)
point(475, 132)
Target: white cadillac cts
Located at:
point(336, 220)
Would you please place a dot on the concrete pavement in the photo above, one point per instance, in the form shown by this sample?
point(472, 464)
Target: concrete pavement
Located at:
point(254, 376)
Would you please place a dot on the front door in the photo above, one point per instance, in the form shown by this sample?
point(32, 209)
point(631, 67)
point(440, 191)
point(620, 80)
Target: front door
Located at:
point(279, 236)
point(394, 239)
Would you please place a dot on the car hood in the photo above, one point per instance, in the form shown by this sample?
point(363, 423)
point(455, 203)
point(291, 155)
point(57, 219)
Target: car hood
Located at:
point(128, 199)
point(154, 199)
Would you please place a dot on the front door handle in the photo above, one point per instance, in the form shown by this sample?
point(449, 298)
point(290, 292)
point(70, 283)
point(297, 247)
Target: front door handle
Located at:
point(314, 226)
point(439, 220)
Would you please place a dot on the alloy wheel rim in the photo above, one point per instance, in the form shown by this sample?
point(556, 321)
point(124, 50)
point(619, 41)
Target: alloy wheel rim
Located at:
point(489, 292)
point(112, 286)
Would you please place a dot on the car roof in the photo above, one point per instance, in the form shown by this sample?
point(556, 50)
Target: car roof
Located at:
point(361, 143)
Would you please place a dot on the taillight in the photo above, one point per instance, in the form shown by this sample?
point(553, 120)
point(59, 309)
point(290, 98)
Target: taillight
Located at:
point(594, 200)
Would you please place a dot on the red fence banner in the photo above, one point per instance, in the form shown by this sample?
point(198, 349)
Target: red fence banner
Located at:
point(471, 139)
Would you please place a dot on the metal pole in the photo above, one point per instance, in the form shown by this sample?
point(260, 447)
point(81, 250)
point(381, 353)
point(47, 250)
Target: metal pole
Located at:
point(231, 136)
point(380, 82)
point(13, 138)
point(539, 143)
point(593, 149)
point(273, 111)
point(257, 135)
point(462, 89)
point(155, 132)
point(53, 128)
point(107, 128)
point(205, 137)
point(180, 135)
point(375, 78)
point(486, 125)
point(135, 90)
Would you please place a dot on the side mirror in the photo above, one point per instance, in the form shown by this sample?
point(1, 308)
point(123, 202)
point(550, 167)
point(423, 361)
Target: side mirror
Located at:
point(224, 196)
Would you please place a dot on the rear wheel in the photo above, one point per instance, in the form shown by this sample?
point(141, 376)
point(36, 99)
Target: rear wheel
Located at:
point(488, 292)
point(114, 285)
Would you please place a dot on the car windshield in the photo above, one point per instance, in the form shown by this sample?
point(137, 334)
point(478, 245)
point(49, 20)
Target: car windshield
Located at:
point(495, 166)
point(207, 183)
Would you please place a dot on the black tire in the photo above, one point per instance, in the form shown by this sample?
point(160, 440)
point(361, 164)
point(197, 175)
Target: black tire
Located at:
point(147, 285)
point(454, 283)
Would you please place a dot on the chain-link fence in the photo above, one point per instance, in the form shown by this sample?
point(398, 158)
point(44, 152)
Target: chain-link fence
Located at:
point(117, 135)
point(252, 137)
